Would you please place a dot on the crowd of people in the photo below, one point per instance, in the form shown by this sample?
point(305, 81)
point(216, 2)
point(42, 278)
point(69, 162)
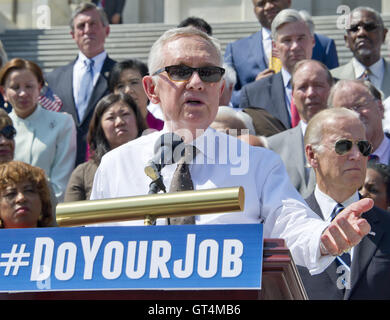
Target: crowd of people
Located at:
point(314, 152)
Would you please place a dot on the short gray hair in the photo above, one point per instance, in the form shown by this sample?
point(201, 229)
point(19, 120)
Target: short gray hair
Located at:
point(156, 59)
point(230, 75)
point(377, 15)
point(285, 16)
point(85, 6)
point(314, 130)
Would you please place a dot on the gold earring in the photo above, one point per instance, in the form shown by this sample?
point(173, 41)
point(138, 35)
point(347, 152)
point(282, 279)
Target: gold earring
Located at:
point(1, 224)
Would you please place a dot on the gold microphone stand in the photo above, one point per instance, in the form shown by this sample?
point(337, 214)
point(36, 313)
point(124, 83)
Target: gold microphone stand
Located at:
point(150, 207)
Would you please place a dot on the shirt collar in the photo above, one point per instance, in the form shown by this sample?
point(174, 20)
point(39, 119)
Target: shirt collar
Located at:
point(286, 77)
point(327, 204)
point(383, 149)
point(266, 33)
point(98, 59)
point(376, 69)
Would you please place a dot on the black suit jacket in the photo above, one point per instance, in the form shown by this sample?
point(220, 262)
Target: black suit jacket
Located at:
point(60, 81)
point(267, 93)
point(370, 269)
point(111, 7)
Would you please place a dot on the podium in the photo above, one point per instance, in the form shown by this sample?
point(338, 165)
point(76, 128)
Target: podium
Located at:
point(281, 281)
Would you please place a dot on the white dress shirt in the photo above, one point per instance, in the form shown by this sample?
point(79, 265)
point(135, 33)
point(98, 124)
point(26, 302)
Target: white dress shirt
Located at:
point(270, 197)
point(327, 204)
point(267, 44)
point(79, 69)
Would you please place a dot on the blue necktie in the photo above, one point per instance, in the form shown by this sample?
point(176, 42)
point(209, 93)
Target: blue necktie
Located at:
point(346, 256)
point(86, 87)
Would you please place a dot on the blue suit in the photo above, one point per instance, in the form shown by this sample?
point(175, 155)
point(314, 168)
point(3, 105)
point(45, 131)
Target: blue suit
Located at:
point(247, 57)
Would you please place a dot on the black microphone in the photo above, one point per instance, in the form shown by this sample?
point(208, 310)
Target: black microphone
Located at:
point(165, 152)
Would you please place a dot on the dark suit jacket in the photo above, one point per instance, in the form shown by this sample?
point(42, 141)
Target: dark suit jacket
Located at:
point(370, 269)
point(267, 93)
point(289, 145)
point(247, 57)
point(60, 81)
point(111, 7)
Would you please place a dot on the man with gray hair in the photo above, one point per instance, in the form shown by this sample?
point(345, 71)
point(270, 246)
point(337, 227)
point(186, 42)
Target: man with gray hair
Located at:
point(364, 37)
point(83, 82)
point(365, 99)
point(337, 149)
point(186, 79)
point(294, 42)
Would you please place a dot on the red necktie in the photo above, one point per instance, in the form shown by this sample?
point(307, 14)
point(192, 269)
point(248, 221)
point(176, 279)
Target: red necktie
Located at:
point(294, 114)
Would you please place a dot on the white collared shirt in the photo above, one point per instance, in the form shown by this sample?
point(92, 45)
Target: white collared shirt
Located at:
point(79, 66)
point(270, 198)
point(327, 204)
point(377, 71)
point(383, 151)
point(267, 44)
point(287, 88)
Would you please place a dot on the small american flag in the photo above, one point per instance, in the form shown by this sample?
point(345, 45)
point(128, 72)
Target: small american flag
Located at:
point(49, 100)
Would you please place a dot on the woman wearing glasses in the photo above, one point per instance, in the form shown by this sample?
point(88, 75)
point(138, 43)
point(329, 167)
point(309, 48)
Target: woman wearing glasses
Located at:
point(7, 134)
point(45, 139)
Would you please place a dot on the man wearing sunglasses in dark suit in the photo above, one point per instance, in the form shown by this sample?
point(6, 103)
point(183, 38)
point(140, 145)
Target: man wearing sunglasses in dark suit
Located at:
point(364, 37)
point(337, 149)
point(364, 98)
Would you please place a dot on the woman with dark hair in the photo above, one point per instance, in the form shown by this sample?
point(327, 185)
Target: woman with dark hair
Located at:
point(377, 184)
point(24, 196)
point(116, 120)
point(126, 76)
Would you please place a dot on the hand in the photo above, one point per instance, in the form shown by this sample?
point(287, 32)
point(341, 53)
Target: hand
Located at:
point(265, 73)
point(347, 229)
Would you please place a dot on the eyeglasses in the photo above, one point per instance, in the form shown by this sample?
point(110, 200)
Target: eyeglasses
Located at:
point(8, 132)
point(184, 73)
point(366, 26)
point(343, 146)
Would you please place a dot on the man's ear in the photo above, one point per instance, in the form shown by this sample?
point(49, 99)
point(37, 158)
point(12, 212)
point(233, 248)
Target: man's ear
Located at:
point(311, 156)
point(150, 89)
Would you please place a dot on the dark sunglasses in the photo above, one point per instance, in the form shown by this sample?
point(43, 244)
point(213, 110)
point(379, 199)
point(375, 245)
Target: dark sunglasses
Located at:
point(366, 26)
point(8, 132)
point(343, 146)
point(184, 73)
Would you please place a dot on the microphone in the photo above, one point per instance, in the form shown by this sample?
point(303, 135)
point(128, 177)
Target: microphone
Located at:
point(165, 149)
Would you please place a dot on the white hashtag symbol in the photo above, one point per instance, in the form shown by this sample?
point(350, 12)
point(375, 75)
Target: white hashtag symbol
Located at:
point(14, 260)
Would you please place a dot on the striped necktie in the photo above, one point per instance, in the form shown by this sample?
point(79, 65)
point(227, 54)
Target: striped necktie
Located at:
point(346, 256)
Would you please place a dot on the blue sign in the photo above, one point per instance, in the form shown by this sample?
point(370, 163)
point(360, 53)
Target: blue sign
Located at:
point(139, 257)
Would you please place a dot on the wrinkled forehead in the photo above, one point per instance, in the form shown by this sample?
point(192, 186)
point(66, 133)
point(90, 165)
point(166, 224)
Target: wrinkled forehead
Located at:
point(338, 128)
point(363, 16)
point(188, 49)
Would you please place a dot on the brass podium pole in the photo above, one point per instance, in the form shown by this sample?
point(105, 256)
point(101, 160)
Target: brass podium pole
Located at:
point(150, 207)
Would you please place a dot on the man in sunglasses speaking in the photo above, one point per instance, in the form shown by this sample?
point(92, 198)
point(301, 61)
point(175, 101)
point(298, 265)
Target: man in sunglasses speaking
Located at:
point(186, 79)
point(337, 149)
point(364, 37)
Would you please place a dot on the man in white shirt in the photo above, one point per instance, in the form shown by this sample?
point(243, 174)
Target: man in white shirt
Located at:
point(337, 149)
point(365, 99)
point(78, 87)
point(186, 79)
point(364, 37)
